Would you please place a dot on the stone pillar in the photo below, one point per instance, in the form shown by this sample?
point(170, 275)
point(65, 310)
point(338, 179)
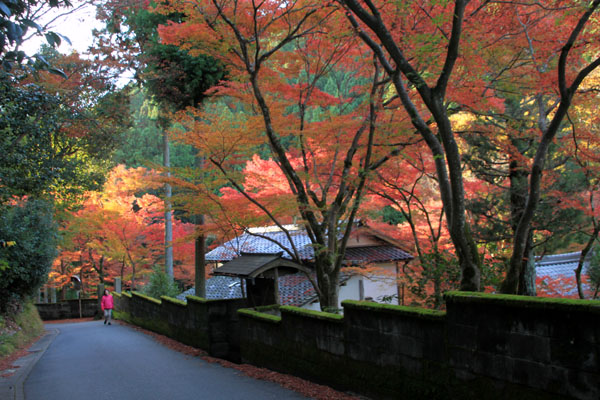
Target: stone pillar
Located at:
point(46, 294)
point(39, 295)
point(118, 285)
point(53, 295)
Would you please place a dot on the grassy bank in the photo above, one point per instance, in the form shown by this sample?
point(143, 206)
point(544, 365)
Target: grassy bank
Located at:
point(17, 331)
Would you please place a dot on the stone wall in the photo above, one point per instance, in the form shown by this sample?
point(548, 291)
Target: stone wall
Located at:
point(484, 346)
point(211, 325)
point(68, 309)
point(379, 350)
point(546, 345)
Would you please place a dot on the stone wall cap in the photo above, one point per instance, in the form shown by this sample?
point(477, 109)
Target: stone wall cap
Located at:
point(546, 303)
point(416, 312)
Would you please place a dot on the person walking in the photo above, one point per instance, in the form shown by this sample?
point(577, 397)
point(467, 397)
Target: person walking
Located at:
point(107, 306)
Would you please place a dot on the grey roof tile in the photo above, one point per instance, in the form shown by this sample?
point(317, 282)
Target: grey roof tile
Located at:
point(250, 243)
point(273, 242)
point(294, 290)
point(560, 266)
point(374, 254)
point(218, 287)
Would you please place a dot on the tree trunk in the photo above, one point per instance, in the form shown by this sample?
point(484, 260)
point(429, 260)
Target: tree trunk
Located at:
point(549, 130)
point(328, 282)
point(469, 260)
point(123, 270)
point(518, 191)
point(200, 263)
point(132, 272)
point(200, 247)
point(584, 253)
point(528, 273)
point(168, 212)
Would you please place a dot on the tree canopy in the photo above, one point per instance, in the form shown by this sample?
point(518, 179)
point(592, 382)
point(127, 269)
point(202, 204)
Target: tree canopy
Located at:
point(467, 129)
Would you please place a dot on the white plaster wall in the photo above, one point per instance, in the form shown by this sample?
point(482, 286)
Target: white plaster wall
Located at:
point(375, 287)
point(350, 291)
point(382, 285)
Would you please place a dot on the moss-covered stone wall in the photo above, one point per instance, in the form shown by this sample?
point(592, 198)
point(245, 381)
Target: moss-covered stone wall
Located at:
point(211, 325)
point(484, 346)
point(549, 345)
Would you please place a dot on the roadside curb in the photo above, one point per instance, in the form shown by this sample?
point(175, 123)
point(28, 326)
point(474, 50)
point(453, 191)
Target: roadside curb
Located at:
point(12, 387)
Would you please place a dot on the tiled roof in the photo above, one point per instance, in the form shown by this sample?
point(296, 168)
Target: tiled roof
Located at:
point(294, 290)
point(272, 242)
point(250, 243)
point(218, 287)
point(374, 254)
point(560, 266)
point(557, 265)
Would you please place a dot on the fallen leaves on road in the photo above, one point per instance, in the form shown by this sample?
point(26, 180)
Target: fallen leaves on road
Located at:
point(6, 363)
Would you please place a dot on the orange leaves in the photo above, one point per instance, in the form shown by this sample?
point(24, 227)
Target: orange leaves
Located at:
point(218, 134)
point(563, 286)
point(124, 181)
point(117, 232)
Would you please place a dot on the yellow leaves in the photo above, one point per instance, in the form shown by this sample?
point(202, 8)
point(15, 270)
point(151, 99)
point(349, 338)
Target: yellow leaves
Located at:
point(592, 81)
point(462, 121)
point(127, 181)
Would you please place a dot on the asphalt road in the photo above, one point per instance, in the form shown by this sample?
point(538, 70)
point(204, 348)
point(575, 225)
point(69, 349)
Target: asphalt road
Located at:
point(90, 360)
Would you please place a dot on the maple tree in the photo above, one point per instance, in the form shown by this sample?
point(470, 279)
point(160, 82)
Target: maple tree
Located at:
point(565, 287)
point(119, 233)
point(314, 92)
point(408, 185)
point(320, 96)
point(582, 146)
point(427, 93)
point(428, 89)
point(499, 160)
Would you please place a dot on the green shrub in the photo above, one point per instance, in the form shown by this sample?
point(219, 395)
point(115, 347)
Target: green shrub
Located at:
point(160, 284)
point(30, 228)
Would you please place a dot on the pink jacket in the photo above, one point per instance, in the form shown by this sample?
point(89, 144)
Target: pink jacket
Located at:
point(107, 302)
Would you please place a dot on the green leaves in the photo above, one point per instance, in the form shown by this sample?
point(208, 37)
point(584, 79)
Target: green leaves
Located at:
point(14, 24)
point(32, 24)
point(25, 265)
point(55, 39)
point(4, 9)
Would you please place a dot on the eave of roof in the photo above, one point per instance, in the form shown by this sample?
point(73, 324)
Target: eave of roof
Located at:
point(375, 254)
point(253, 265)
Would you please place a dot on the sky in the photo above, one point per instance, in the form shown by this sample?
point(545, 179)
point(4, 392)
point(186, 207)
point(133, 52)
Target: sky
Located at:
point(77, 26)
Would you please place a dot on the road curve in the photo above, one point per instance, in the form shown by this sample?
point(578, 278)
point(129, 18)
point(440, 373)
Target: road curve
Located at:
point(90, 360)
